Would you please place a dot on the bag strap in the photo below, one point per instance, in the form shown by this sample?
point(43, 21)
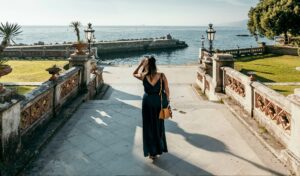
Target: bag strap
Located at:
point(160, 91)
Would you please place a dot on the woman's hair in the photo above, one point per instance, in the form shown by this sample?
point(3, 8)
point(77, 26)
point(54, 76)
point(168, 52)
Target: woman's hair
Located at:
point(151, 66)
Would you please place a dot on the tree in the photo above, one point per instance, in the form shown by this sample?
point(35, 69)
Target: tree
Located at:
point(8, 31)
point(275, 17)
point(76, 25)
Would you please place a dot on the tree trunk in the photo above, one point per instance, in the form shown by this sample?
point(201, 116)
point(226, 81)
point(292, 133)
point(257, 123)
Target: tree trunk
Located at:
point(286, 38)
point(3, 46)
point(1, 49)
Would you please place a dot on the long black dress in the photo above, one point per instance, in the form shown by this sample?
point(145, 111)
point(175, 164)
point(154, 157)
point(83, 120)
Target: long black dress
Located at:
point(154, 138)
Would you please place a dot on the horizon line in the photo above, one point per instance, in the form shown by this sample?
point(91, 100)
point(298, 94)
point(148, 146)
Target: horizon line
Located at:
point(53, 25)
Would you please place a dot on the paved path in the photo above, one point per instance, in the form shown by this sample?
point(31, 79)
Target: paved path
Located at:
point(104, 137)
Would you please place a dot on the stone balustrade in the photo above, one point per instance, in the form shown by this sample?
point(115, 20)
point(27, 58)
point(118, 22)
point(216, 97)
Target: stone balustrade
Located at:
point(237, 86)
point(245, 51)
point(44, 102)
point(273, 111)
point(21, 119)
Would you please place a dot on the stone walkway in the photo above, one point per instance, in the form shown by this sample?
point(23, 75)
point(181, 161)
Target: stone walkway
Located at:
point(104, 137)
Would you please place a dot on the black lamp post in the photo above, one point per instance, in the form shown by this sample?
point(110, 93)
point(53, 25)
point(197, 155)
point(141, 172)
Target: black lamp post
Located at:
point(202, 41)
point(89, 35)
point(210, 36)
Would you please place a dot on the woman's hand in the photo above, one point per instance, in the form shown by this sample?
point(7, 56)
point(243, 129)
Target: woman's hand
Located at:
point(145, 62)
point(141, 70)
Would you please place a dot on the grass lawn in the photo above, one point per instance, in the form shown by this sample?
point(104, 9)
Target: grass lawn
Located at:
point(30, 71)
point(271, 68)
point(22, 89)
point(285, 90)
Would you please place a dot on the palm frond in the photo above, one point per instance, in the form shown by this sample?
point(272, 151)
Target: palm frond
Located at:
point(9, 30)
point(76, 25)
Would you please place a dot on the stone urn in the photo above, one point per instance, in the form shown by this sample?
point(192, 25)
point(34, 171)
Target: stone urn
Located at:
point(80, 47)
point(252, 76)
point(4, 70)
point(54, 71)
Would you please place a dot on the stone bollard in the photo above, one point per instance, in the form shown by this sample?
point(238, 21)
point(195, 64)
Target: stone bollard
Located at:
point(220, 60)
point(83, 61)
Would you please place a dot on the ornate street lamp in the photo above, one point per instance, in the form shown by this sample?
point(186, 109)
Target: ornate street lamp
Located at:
point(202, 41)
point(210, 36)
point(89, 35)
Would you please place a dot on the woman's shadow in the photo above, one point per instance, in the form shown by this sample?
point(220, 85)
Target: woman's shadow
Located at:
point(209, 144)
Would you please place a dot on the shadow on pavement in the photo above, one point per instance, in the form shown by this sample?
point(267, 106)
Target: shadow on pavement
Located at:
point(211, 144)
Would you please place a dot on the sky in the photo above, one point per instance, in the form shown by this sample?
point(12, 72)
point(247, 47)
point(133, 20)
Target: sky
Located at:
point(125, 12)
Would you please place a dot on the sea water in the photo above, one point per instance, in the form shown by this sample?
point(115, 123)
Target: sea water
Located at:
point(226, 38)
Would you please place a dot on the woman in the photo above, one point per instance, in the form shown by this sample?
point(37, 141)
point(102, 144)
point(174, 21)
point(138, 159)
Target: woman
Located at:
point(154, 138)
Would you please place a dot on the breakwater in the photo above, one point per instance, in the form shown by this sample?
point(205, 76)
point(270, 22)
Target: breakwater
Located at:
point(100, 48)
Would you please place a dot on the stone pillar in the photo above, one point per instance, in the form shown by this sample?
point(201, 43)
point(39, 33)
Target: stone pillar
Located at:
point(264, 46)
point(95, 52)
point(21, 52)
point(10, 114)
point(294, 143)
point(220, 60)
point(44, 52)
point(67, 51)
point(83, 61)
point(201, 54)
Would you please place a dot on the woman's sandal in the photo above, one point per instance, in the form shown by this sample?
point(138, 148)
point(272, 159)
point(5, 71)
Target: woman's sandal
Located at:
point(153, 157)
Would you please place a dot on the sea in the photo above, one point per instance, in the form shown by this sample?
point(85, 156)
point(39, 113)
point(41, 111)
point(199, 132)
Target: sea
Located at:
point(226, 38)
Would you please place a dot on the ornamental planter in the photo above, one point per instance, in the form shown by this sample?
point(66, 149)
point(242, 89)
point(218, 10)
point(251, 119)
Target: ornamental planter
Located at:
point(80, 47)
point(54, 71)
point(4, 70)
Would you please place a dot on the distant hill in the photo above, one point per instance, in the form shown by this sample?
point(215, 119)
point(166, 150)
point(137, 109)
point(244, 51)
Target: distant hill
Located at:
point(241, 24)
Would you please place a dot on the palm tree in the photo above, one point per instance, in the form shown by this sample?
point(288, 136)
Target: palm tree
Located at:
point(76, 25)
point(8, 31)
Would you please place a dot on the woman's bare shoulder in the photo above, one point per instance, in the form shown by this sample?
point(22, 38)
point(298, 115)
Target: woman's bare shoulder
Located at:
point(161, 74)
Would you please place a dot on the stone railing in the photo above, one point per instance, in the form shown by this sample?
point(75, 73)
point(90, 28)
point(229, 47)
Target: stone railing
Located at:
point(237, 86)
point(244, 51)
point(268, 107)
point(43, 102)
point(22, 119)
point(273, 111)
point(204, 81)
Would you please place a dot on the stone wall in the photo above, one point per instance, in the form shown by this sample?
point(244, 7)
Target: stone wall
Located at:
point(64, 50)
point(282, 50)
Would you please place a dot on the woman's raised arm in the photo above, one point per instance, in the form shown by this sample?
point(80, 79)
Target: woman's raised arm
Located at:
point(138, 72)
